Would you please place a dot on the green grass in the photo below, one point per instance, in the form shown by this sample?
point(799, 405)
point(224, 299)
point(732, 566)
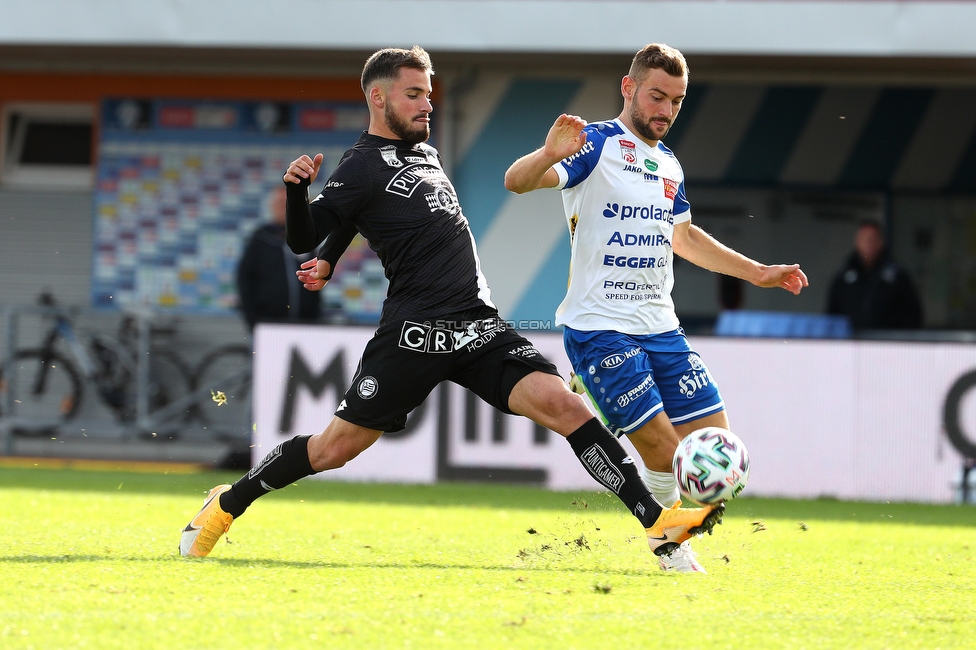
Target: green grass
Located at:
point(88, 559)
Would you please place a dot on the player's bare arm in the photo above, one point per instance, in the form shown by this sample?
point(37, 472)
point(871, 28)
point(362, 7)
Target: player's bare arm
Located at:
point(303, 168)
point(534, 170)
point(314, 274)
point(698, 247)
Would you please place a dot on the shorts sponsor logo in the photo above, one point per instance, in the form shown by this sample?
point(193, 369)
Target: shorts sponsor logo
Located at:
point(389, 155)
point(470, 335)
point(635, 392)
point(422, 337)
point(598, 464)
point(615, 360)
point(697, 378)
point(525, 351)
point(368, 387)
point(477, 333)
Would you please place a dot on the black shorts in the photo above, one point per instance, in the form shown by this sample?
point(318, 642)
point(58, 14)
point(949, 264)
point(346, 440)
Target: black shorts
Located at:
point(405, 360)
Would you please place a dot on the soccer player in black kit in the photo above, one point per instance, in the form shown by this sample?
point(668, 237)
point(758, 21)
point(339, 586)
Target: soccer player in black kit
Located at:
point(438, 322)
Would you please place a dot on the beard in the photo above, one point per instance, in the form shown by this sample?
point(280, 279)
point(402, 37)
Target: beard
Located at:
point(405, 129)
point(644, 126)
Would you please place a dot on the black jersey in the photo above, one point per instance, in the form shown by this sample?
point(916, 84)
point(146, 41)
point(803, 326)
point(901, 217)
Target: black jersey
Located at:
point(400, 199)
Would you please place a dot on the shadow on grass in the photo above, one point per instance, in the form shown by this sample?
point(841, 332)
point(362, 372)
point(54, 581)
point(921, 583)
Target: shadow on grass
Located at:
point(271, 563)
point(499, 496)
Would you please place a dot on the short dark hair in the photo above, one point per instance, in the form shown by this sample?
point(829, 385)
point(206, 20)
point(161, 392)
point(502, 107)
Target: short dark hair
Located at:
point(386, 64)
point(658, 56)
point(870, 223)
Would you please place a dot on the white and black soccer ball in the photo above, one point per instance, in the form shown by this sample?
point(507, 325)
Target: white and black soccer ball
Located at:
point(711, 465)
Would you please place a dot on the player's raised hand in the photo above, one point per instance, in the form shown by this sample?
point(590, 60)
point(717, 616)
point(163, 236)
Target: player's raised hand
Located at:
point(786, 276)
point(565, 137)
point(302, 168)
point(312, 274)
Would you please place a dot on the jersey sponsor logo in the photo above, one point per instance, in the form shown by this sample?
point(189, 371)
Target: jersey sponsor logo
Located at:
point(333, 185)
point(635, 392)
point(651, 178)
point(650, 164)
point(622, 261)
point(617, 358)
point(587, 148)
point(670, 188)
point(405, 181)
point(633, 168)
point(596, 461)
point(633, 291)
point(630, 239)
point(442, 198)
point(415, 159)
point(389, 155)
point(368, 387)
point(628, 151)
point(646, 212)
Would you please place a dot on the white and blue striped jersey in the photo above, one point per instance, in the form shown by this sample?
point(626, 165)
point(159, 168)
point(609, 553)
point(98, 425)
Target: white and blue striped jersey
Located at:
point(622, 198)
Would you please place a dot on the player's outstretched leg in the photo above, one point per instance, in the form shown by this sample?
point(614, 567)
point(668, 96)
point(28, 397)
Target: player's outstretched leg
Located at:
point(676, 525)
point(205, 529)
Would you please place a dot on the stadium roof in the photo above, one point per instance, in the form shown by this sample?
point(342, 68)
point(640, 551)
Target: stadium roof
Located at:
point(731, 27)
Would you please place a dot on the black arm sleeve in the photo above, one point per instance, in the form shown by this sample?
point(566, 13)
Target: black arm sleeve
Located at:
point(303, 232)
point(336, 245)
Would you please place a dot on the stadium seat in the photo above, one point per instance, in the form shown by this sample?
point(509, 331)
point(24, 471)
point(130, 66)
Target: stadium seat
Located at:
point(771, 324)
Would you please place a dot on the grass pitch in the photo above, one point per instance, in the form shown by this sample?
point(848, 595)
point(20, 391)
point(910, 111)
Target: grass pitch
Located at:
point(88, 559)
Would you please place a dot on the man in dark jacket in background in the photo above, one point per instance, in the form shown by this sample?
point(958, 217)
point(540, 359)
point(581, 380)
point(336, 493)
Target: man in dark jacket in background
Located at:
point(266, 284)
point(873, 290)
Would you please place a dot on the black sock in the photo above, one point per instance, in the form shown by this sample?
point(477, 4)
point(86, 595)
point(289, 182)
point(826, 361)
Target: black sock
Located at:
point(608, 462)
point(286, 463)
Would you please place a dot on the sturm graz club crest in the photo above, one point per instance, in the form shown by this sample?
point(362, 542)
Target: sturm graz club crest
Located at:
point(368, 387)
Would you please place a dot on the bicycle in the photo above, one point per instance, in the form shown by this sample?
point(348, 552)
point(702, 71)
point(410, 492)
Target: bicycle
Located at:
point(42, 388)
point(226, 373)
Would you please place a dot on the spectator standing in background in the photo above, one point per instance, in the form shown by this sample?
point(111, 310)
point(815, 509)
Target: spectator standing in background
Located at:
point(266, 284)
point(873, 290)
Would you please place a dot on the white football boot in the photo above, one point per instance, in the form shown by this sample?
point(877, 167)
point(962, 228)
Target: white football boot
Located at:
point(682, 560)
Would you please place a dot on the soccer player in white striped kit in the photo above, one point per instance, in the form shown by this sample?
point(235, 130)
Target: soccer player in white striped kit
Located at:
point(624, 196)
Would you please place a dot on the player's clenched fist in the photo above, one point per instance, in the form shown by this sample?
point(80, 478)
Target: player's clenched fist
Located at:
point(303, 168)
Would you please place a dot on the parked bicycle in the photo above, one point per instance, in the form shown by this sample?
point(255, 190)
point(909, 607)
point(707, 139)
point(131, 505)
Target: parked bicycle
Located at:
point(43, 387)
point(226, 374)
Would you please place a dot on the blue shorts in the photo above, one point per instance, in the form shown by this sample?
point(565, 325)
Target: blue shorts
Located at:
point(631, 378)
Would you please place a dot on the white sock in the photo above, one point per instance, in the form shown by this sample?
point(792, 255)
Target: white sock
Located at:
point(662, 485)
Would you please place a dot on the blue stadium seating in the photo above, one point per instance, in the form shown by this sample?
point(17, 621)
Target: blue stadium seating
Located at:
point(772, 324)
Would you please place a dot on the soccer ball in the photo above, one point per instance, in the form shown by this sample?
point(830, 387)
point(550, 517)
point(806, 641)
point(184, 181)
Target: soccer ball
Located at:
point(711, 465)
